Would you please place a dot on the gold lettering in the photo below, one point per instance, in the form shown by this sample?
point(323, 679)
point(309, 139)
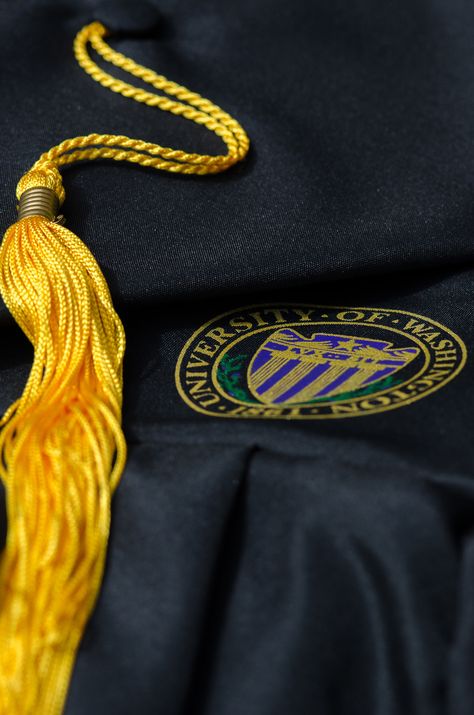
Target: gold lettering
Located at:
point(426, 332)
point(199, 386)
point(377, 316)
point(433, 376)
point(205, 349)
point(237, 410)
point(219, 335)
point(196, 375)
point(344, 408)
point(303, 314)
point(381, 400)
point(437, 374)
point(199, 362)
point(443, 344)
point(344, 315)
point(424, 381)
point(258, 318)
point(400, 394)
point(291, 412)
point(445, 355)
point(257, 411)
point(240, 324)
point(415, 327)
point(429, 337)
point(209, 400)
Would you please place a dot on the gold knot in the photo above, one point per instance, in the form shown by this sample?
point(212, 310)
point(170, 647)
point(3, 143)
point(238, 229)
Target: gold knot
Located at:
point(46, 175)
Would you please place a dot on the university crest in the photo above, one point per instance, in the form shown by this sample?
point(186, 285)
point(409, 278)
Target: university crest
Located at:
point(289, 368)
point(315, 362)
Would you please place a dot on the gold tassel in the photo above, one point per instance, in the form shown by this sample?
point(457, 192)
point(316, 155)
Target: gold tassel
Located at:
point(62, 449)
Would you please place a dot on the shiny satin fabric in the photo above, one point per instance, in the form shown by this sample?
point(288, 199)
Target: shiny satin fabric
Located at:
point(268, 567)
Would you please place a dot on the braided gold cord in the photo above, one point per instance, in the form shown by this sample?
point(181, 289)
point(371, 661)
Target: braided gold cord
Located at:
point(187, 104)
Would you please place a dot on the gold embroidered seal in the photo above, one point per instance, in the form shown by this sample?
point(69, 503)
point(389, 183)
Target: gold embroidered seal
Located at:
point(315, 362)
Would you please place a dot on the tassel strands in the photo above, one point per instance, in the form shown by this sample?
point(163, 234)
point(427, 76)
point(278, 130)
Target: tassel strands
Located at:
point(62, 453)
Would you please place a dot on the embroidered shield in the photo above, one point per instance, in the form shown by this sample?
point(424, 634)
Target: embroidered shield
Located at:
point(290, 368)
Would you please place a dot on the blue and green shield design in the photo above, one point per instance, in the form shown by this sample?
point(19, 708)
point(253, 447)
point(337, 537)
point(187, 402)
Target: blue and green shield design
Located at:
point(289, 368)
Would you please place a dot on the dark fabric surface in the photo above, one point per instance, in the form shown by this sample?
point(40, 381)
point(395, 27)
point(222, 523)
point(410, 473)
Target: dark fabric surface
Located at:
point(272, 567)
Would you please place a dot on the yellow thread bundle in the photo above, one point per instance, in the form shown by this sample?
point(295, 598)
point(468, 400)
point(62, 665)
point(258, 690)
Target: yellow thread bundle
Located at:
point(62, 450)
point(62, 453)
